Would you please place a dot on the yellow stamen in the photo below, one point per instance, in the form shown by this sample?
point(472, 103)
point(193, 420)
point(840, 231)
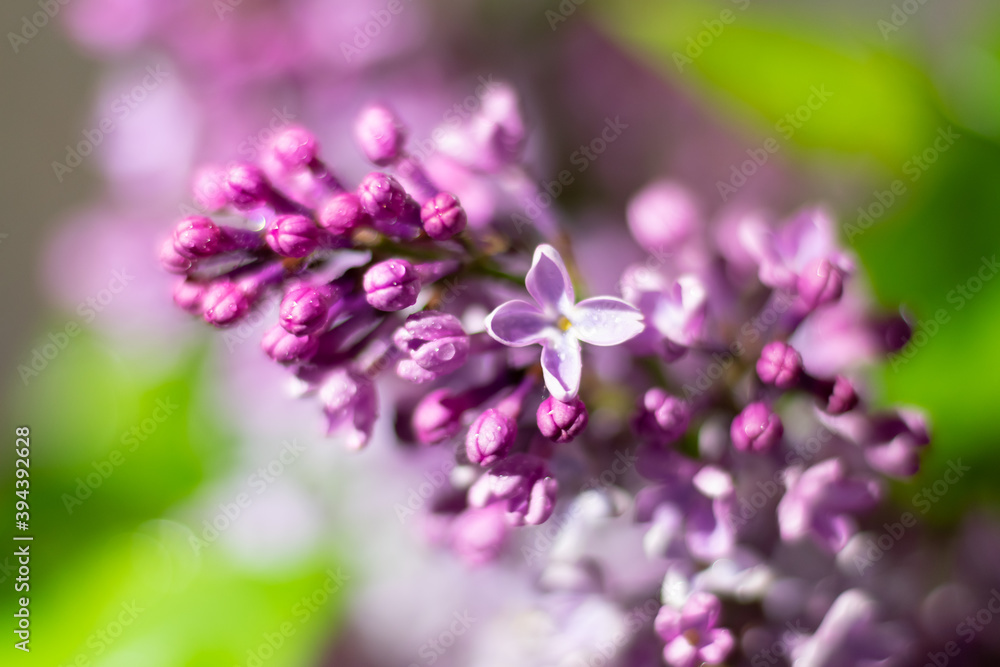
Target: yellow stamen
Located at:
point(564, 324)
point(693, 636)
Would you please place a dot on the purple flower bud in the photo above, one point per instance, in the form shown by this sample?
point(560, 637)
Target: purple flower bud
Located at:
point(382, 196)
point(894, 442)
point(295, 147)
point(293, 236)
point(197, 236)
point(380, 135)
point(304, 309)
point(662, 418)
point(189, 295)
point(819, 283)
point(342, 213)
point(662, 216)
point(436, 417)
point(391, 285)
point(351, 406)
point(435, 341)
point(490, 437)
point(224, 303)
point(561, 421)
point(173, 261)
point(523, 483)
point(842, 398)
point(443, 217)
point(478, 535)
point(756, 429)
point(779, 364)
point(246, 187)
point(286, 348)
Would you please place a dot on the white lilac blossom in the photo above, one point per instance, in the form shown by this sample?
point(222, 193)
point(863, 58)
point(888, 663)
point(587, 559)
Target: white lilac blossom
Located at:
point(751, 451)
point(557, 323)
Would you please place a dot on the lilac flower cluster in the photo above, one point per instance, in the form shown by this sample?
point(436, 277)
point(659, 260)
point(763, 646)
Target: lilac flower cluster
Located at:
point(738, 390)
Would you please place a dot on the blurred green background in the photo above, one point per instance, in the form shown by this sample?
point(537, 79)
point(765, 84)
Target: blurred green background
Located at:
point(897, 81)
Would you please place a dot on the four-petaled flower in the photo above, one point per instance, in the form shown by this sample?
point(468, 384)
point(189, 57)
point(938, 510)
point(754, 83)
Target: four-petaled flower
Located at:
point(558, 323)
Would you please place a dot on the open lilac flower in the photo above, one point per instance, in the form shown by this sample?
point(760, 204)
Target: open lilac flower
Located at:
point(691, 633)
point(821, 502)
point(391, 272)
point(558, 323)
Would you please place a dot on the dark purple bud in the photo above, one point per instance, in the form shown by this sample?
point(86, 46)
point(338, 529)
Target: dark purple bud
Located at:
point(779, 364)
point(247, 187)
point(380, 135)
point(305, 309)
point(842, 398)
point(437, 416)
point(819, 283)
point(197, 236)
point(434, 340)
point(342, 213)
point(392, 285)
point(295, 147)
point(224, 303)
point(895, 332)
point(293, 236)
point(286, 348)
point(189, 295)
point(442, 216)
point(561, 422)
point(382, 196)
point(756, 429)
point(662, 418)
point(490, 437)
point(173, 261)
